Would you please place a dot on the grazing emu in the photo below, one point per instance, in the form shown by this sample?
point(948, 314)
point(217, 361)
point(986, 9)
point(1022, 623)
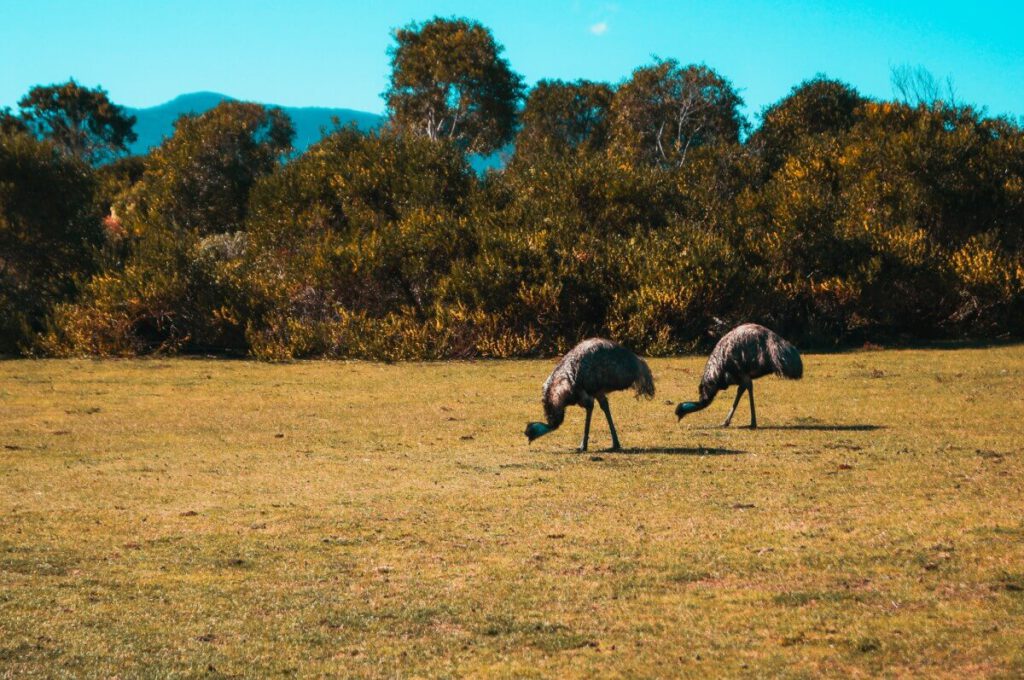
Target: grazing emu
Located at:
point(746, 353)
point(586, 374)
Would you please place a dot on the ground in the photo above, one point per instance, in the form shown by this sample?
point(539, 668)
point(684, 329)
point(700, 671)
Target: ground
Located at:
point(226, 518)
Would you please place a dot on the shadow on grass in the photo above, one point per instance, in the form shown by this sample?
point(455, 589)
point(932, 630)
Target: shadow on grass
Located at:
point(683, 451)
point(819, 427)
point(824, 427)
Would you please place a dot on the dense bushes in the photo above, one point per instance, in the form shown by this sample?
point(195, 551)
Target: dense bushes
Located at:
point(838, 220)
point(49, 234)
point(175, 241)
point(352, 241)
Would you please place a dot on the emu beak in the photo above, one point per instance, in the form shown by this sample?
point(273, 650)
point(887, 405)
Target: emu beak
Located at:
point(534, 430)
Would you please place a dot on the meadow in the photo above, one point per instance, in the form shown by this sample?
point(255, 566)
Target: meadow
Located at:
point(218, 518)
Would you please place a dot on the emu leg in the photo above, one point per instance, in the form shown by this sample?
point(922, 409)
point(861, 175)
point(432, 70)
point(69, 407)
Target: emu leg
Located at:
point(739, 393)
point(753, 413)
point(603, 402)
point(586, 427)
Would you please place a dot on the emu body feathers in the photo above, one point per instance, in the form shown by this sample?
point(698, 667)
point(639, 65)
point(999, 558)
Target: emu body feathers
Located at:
point(586, 374)
point(744, 354)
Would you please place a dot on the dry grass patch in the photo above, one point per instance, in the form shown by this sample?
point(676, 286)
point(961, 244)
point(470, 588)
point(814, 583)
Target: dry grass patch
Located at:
point(195, 517)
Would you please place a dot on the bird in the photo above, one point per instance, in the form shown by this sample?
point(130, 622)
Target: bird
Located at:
point(743, 355)
point(587, 373)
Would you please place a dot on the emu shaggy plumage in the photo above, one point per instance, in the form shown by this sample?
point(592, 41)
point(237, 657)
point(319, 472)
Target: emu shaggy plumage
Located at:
point(587, 374)
point(743, 355)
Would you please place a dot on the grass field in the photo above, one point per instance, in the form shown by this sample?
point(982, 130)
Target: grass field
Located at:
point(227, 518)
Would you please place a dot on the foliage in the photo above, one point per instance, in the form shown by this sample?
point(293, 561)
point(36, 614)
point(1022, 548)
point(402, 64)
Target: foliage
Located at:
point(448, 81)
point(815, 107)
point(871, 222)
point(10, 123)
point(383, 221)
point(81, 121)
point(665, 109)
point(199, 179)
point(176, 292)
point(49, 230)
point(561, 118)
point(174, 281)
point(641, 212)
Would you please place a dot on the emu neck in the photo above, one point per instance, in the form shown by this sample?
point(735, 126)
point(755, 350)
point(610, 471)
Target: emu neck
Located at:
point(707, 395)
point(555, 415)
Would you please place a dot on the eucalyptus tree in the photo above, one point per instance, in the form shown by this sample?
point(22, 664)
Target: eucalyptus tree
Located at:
point(449, 81)
point(664, 110)
point(81, 121)
point(561, 117)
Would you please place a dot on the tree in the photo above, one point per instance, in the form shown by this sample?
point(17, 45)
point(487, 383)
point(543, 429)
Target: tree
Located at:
point(9, 123)
point(368, 221)
point(814, 107)
point(562, 118)
point(199, 179)
point(48, 232)
point(917, 86)
point(448, 81)
point(81, 121)
point(175, 284)
point(664, 110)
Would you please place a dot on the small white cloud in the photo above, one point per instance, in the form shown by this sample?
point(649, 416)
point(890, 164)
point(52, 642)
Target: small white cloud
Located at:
point(600, 28)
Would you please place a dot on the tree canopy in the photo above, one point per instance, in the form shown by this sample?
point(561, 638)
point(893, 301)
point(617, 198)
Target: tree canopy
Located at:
point(642, 211)
point(10, 123)
point(49, 229)
point(562, 117)
point(665, 110)
point(449, 81)
point(814, 107)
point(199, 179)
point(81, 121)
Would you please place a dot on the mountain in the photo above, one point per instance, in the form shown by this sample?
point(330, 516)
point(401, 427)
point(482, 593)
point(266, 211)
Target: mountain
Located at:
point(155, 123)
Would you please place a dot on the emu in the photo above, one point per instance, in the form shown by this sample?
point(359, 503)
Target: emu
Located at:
point(586, 374)
point(743, 355)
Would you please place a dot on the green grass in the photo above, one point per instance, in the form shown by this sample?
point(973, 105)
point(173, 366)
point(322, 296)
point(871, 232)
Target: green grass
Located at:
point(225, 518)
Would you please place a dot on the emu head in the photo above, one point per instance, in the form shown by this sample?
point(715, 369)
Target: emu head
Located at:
point(534, 430)
point(684, 408)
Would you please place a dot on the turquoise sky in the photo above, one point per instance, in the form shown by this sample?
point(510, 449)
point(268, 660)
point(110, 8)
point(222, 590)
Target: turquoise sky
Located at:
point(319, 53)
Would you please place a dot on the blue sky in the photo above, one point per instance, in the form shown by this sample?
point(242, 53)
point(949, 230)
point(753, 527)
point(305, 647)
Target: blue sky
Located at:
point(320, 53)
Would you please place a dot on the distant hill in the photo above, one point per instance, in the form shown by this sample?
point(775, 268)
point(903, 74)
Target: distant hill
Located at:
point(155, 123)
